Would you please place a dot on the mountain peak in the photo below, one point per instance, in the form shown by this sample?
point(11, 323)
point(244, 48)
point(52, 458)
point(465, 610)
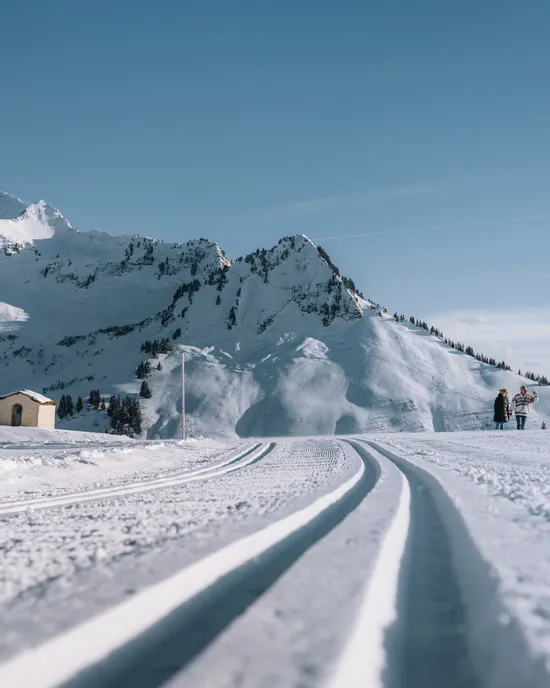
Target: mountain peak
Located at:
point(10, 206)
point(22, 224)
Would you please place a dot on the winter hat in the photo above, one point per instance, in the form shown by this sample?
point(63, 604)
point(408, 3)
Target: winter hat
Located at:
point(503, 390)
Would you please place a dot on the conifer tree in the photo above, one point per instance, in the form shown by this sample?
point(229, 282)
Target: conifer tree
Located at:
point(112, 403)
point(94, 400)
point(143, 369)
point(145, 391)
point(62, 407)
point(114, 406)
point(126, 418)
point(232, 319)
point(79, 405)
point(136, 417)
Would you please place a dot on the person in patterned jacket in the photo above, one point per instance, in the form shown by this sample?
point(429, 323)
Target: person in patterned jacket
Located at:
point(521, 404)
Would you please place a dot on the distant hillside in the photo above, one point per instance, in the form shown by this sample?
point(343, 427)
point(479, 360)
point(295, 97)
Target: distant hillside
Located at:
point(276, 342)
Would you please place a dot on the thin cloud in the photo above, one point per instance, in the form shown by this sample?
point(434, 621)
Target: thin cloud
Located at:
point(356, 198)
point(436, 228)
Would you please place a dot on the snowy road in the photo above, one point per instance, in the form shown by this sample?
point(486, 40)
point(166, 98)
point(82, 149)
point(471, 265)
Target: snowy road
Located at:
point(368, 561)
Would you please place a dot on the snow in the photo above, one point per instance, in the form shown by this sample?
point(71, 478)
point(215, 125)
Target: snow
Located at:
point(77, 307)
point(497, 483)
point(289, 555)
point(364, 660)
point(279, 551)
point(23, 437)
point(9, 315)
point(244, 457)
point(96, 640)
point(37, 463)
point(509, 465)
point(36, 222)
point(35, 396)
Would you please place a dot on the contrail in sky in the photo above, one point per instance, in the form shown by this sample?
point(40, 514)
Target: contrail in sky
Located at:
point(434, 228)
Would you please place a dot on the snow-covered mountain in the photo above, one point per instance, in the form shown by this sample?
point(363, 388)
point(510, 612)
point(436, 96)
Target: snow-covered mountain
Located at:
point(276, 343)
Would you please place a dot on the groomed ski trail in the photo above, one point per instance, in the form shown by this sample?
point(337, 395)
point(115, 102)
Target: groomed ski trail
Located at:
point(134, 643)
point(232, 462)
point(428, 611)
point(364, 660)
point(452, 627)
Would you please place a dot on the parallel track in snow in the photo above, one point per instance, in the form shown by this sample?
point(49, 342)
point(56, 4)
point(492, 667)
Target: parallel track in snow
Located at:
point(445, 632)
point(414, 627)
point(230, 463)
point(428, 641)
point(145, 641)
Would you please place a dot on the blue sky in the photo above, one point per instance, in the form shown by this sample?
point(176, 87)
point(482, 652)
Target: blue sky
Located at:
point(244, 121)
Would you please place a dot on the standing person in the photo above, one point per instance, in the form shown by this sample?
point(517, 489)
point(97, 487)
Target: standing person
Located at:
point(521, 405)
point(502, 409)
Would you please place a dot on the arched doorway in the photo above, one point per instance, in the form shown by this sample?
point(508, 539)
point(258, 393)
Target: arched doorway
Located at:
point(16, 415)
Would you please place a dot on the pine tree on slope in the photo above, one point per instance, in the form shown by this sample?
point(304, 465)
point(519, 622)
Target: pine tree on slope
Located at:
point(69, 406)
point(145, 391)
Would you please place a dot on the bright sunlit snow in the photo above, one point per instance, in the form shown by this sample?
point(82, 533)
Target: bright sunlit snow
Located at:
point(331, 531)
point(268, 338)
point(104, 540)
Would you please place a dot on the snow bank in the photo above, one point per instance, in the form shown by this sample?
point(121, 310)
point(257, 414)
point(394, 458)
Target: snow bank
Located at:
point(36, 462)
point(500, 548)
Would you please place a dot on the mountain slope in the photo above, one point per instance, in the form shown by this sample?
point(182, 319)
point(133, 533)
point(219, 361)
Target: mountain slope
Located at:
point(276, 342)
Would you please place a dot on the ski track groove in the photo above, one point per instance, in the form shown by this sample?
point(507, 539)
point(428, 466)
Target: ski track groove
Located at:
point(245, 457)
point(450, 629)
point(217, 589)
point(421, 631)
point(428, 640)
point(363, 658)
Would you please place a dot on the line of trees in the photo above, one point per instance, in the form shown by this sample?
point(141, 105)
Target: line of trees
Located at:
point(458, 346)
point(542, 380)
point(159, 346)
point(66, 408)
point(95, 401)
point(143, 370)
point(469, 350)
point(125, 415)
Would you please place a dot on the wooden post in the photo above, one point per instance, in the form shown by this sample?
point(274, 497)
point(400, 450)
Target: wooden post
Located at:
point(182, 395)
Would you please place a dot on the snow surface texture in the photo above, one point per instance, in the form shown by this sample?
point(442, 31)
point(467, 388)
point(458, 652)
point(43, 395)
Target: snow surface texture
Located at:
point(48, 463)
point(501, 549)
point(268, 339)
point(289, 570)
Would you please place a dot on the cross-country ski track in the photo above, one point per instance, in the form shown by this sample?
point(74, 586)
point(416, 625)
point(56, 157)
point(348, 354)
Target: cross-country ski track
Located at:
point(368, 576)
point(231, 463)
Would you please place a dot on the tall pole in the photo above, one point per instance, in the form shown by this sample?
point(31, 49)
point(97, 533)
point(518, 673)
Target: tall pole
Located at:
point(182, 395)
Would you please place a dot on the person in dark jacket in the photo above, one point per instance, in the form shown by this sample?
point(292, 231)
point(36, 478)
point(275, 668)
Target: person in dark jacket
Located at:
point(502, 409)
